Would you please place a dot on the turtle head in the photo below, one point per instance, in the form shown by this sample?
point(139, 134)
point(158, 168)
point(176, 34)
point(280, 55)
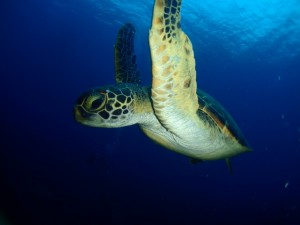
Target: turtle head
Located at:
point(109, 106)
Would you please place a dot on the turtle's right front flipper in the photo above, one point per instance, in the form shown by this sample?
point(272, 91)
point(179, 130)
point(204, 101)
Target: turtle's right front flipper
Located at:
point(125, 59)
point(174, 97)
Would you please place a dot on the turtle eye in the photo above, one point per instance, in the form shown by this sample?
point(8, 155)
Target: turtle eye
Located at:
point(97, 102)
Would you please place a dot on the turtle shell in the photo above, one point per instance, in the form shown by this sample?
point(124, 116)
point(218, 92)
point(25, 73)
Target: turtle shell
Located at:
point(215, 114)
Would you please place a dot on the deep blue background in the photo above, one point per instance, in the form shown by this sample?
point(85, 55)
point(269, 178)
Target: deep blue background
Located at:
point(55, 171)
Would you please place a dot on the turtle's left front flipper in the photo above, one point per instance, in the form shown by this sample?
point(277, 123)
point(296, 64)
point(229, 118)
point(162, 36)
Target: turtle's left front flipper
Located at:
point(125, 59)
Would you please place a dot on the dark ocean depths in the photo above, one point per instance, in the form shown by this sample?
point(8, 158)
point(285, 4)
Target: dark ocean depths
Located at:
point(55, 171)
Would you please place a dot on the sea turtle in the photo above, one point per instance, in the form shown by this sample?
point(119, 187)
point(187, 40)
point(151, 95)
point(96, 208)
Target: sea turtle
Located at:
point(172, 112)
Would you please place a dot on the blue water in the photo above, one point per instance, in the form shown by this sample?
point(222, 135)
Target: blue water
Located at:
point(55, 171)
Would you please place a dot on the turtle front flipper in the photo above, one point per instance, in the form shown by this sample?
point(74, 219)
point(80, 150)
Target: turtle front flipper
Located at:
point(125, 59)
point(174, 85)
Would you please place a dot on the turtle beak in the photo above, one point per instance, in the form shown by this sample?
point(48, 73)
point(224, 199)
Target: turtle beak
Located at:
point(85, 118)
point(80, 114)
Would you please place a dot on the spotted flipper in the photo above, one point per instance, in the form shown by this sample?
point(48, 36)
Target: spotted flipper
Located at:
point(125, 59)
point(173, 69)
